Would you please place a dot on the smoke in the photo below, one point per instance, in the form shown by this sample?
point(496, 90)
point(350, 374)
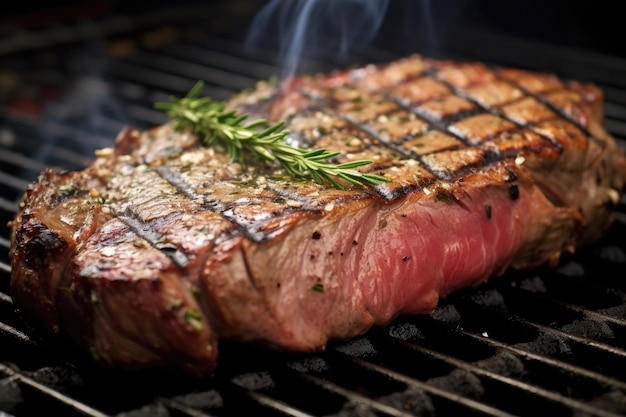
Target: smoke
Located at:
point(85, 115)
point(298, 28)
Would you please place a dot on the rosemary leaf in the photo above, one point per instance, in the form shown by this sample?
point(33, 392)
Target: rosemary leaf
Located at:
point(216, 126)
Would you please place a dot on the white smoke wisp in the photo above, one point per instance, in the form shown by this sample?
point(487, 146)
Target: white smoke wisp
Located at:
point(300, 27)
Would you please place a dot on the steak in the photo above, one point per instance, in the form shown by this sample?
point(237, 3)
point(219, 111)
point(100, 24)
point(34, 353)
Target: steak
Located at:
point(161, 247)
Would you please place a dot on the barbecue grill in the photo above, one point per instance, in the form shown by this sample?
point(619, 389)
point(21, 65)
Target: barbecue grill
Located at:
point(549, 340)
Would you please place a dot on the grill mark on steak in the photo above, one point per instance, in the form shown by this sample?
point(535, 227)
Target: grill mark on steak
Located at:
point(489, 157)
point(252, 229)
point(368, 130)
point(559, 111)
point(213, 204)
point(176, 181)
point(308, 203)
point(496, 111)
point(147, 232)
point(444, 124)
point(432, 121)
point(326, 106)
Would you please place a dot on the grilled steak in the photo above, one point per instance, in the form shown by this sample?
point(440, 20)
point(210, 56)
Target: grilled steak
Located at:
point(162, 246)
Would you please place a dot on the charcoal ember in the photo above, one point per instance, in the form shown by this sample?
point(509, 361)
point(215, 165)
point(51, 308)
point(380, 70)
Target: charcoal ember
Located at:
point(205, 400)
point(612, 400)
point(361, 347)
point(572, 269)
point(58, 377)
point(533, 284)
point(312, 364)
point(460, 382)
point(151, 410)
point(547, 344)
point(618, 311)
point(489, 298)
point(590, 329)
point(405, 331)
point(447, 313)
point(10, 395)
point(353, 409)
point(255, 381)
point(612, 253)
point(502, 363)
point(412, 400)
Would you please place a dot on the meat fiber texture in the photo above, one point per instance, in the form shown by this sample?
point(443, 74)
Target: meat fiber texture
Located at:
point(161, 247)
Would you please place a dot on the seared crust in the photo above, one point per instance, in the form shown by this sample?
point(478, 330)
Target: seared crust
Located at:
point(162, 246)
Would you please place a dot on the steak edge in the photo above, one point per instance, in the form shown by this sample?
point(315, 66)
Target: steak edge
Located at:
point(161, 247)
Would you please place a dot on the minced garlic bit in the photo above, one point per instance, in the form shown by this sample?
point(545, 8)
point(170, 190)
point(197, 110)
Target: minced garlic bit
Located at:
point(139, 243)
point(108, 251)
point(329, 207)
point(93, 193)
point(355, 142)
point(103, 152)
point(613, 195)
point(294, 203)
point(192, 157)
point(519, 160)
point(104, 172)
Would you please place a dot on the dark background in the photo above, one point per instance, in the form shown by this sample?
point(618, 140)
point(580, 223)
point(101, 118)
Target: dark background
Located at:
point(594, 26)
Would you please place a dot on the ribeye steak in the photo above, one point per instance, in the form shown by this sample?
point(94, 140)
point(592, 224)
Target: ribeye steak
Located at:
point(162, 246)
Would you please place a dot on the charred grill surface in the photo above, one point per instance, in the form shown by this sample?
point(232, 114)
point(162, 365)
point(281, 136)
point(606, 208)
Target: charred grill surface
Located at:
point(161, 246)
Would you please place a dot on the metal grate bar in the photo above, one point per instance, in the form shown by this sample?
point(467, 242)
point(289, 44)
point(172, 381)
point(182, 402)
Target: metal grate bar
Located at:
point(10, 206)
point(558, 365)
point(111, 25)
point(151, 77)
point(269, 402)
point(20, 160)
point(532, 390)
point(595, 345)
point(161, 62)
point(467, 403)
point(182, 408)
point(227, 61)
point(18, 335)
point(14, 182)
point(588, 314)
point(54, 394)
point(356, 398)
point(4, 242)
point(268, 56)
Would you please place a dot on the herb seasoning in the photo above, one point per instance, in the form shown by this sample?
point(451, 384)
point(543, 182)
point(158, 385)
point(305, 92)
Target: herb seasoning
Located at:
point(218, 126)
point(318, 287)
point(194, 318)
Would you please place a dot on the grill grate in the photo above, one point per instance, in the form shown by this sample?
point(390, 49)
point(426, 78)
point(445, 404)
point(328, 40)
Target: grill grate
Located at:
point(545, 340)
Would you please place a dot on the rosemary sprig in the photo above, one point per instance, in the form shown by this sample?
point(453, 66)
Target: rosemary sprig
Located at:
point(218, 126)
